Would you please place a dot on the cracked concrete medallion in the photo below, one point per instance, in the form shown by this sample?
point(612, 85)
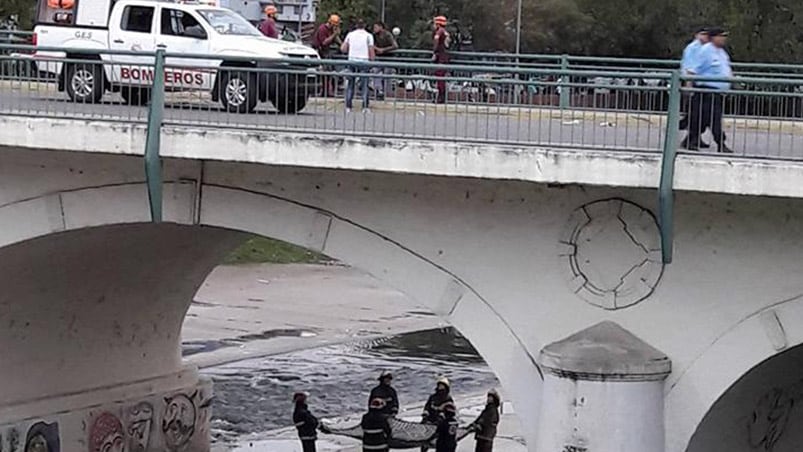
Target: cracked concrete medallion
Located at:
point(612, 253)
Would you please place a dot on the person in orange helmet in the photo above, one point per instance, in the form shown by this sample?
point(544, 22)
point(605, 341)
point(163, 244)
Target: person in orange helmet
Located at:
point(440, 55)
point(326, 35)
point(268, 26)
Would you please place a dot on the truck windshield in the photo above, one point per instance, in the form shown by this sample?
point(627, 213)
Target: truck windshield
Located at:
point(228, 23)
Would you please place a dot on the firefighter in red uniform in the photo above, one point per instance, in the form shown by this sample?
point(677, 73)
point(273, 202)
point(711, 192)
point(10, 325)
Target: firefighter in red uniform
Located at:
point(440, 54)
point(268, 26)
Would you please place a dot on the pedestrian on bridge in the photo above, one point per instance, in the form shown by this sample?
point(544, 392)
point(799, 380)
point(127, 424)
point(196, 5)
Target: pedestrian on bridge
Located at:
point(268, 26)
point(386, 392)
point(359, 45)
point(686, 67)
point(712, 61)
point(385, 43)
point(305, 422)
point(440, 54)
point(327, 35)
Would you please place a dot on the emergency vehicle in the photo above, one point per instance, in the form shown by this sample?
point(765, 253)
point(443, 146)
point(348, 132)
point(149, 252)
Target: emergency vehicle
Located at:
point(180, 28)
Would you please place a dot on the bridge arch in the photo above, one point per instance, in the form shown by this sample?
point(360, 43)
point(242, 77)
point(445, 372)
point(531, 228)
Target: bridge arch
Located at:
point(710, 407)
point(221, 211)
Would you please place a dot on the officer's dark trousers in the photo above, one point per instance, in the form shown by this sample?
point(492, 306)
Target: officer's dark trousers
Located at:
point(483, 445)
point(706, 112)
point(308, 445)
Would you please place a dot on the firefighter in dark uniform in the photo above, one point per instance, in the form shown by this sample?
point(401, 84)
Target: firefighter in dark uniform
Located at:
point(485, 426)
point(447, 430)
point(305, 422)
point(386, 392)
point(375, 428)
point(433, 410)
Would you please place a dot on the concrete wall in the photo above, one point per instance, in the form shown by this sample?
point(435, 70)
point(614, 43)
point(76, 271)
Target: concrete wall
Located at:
point(504, 261)
point(760, 412)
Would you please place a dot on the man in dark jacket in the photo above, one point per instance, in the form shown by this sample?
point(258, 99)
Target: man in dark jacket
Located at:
point(305, 422)
point(485, 426)
point(386, 392)
point(447, 430)
point(375, 428)
point(433, 410)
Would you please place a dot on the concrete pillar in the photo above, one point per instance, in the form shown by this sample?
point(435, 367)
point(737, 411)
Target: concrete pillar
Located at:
point(603, 392)
point(90, 354)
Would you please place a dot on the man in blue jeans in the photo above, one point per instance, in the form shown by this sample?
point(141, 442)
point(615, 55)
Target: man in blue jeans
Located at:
point(359, 44)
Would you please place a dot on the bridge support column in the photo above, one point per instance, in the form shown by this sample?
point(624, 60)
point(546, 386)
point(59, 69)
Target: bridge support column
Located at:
point(603, 392)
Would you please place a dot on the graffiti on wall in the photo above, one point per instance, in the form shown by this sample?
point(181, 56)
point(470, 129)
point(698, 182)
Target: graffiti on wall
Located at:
point(139, 419)
point(771, 415)
point(40, 437)
point(130, 428)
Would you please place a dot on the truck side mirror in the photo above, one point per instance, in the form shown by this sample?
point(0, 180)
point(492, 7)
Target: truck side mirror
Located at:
point(195, 32)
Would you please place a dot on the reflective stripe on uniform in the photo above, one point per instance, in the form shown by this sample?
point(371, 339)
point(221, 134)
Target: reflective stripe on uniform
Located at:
point(485, 438)
point(299, 424)
point(307, 438)
point(373, 431)
point(375, 447)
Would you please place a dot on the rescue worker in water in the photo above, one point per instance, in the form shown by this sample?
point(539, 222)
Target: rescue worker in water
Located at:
point(434, 408)
point(375, 428)
point(387, 393)
point(305, 422)
point(447, 429)
point(484, 427)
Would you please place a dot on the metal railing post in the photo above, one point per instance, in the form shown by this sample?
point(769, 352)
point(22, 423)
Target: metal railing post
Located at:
point(153, 163)
point(666, 194)
point(565, 94)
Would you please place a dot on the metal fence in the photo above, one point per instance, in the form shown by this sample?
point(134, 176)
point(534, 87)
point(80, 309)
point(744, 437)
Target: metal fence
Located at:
point(480, 104)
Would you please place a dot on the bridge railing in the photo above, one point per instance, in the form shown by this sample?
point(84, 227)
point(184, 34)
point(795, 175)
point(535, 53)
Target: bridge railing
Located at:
point(484, 104)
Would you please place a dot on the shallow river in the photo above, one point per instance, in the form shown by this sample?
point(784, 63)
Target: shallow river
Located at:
point(254, 396)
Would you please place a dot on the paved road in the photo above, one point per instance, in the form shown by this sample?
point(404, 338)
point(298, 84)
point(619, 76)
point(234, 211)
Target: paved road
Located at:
point(598, 129)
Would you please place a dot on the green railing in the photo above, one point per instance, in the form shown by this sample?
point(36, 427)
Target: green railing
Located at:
point(494, 105)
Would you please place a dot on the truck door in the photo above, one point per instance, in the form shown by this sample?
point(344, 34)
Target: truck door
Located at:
point(133, 31)
point(181, 32)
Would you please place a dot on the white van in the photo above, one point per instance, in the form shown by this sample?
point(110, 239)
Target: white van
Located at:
point(192, 29)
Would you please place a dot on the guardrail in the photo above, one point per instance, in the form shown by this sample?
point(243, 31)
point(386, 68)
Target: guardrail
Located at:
point(495, 105)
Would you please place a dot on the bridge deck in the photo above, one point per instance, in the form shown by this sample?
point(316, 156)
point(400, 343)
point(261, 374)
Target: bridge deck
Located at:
point(469, 123)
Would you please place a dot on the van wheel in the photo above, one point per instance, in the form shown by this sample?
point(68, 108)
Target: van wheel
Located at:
point(84, 82)
point(135, 96)
point(287, 104)
point(238, 91)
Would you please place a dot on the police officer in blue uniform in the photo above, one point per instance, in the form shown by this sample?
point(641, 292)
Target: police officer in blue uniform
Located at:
point(711, 61)
point(686, 63)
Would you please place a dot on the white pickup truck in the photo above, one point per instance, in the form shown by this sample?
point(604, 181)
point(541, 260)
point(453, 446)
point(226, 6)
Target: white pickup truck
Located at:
point(190, 29)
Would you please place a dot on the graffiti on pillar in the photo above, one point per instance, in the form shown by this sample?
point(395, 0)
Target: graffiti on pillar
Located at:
point(770, 417)
point(106, 434)
point(570, 448)
point(43, 437)
point(612, 253)
point(138, 421)
point(178, 421)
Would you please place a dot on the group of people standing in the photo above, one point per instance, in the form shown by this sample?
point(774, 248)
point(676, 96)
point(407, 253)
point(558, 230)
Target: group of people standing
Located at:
point(383, 403)
point(361, 46)
point(706, 57)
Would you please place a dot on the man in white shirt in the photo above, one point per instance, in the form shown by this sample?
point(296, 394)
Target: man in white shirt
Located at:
point(359, 44)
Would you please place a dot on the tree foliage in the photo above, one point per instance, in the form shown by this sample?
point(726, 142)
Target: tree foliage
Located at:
point(761, 30)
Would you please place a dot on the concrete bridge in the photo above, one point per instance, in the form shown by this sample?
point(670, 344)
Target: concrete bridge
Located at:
point(547, 259)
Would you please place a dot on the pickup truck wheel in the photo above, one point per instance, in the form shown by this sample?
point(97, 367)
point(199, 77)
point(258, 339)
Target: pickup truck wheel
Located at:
point(84, 82)
point(289, 104)
point(238, 91)
point(135, 96)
